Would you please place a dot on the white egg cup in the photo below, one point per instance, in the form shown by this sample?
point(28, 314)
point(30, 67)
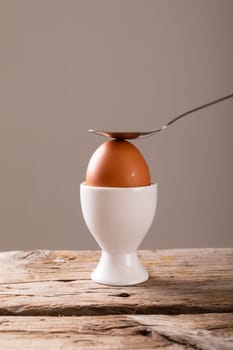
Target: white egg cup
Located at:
point(119, 218)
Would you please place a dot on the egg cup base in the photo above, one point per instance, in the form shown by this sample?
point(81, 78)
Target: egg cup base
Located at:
point(119, 270)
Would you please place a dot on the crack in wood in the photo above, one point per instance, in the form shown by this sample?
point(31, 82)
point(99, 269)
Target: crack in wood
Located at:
point(216, 328)
point(179, 342)
point(121, 295)
point(145, 332)
point(67, 281)
point(98, 310)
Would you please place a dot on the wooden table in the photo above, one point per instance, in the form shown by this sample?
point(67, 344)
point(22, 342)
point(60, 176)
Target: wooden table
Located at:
point(47, 301)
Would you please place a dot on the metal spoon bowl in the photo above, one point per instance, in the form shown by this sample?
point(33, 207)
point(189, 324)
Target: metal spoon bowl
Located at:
point(141, 134)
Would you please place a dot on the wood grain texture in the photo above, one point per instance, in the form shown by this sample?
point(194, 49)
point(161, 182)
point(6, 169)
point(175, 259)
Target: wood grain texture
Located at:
point(186, 304)
point(58, 283)
point(203, 332)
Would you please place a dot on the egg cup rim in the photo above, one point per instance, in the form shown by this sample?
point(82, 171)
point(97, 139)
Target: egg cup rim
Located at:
point(117, 188)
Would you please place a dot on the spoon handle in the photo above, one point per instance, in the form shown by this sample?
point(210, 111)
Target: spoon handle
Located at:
point(197, 109)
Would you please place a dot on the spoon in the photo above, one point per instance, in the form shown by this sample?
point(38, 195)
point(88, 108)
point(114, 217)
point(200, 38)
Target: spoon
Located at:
point(141, 134)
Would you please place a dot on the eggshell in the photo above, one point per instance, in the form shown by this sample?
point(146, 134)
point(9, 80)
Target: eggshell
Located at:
point(117, 163)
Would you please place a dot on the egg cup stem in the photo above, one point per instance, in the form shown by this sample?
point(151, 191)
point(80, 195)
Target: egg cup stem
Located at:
point(119, 269)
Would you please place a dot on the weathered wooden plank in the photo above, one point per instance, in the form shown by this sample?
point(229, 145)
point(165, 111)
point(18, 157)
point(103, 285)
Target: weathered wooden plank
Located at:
point(203, 332)
point(58, 283)
point(44, 265)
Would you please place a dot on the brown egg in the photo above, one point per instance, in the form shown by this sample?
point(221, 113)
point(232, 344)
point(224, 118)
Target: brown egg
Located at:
point(117, 163)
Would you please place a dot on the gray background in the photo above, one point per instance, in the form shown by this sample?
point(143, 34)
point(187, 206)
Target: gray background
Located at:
point(67, 66)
